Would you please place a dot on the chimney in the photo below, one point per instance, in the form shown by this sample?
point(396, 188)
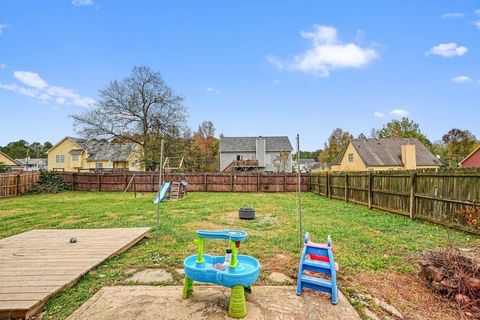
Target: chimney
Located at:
point(260, 151)
point(409, 156)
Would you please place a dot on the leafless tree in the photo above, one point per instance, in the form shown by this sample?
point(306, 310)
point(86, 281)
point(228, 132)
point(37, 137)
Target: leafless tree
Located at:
point(281, 161)
point(140, 109)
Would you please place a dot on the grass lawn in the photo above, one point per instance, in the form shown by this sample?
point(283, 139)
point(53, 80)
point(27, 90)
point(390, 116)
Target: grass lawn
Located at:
point(368, 243)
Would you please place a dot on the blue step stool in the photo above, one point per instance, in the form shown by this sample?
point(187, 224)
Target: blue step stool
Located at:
point(318, 257)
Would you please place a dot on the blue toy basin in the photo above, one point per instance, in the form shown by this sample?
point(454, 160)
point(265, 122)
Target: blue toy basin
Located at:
point(245, 274)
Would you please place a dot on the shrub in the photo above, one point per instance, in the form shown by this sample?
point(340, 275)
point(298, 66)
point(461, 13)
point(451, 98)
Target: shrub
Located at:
point(49, 182)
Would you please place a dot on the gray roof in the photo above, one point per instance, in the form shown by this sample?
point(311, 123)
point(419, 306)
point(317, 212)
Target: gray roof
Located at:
point(79, 141)
point(388, 152)
point(108, 151)
point(33, 161)
point(248, 144)
point(306, 160)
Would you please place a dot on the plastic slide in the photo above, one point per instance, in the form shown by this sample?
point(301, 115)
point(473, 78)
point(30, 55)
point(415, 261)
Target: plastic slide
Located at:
point(163, 192)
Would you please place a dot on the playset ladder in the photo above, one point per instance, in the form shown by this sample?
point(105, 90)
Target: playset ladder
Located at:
point(318, 258)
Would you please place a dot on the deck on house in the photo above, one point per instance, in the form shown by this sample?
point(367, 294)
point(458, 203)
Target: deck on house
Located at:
point(37, 264)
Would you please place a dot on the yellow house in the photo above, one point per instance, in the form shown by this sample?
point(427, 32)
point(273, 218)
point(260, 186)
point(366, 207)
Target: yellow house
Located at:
point(385, 154)
point(74, 154)
point(10, 163)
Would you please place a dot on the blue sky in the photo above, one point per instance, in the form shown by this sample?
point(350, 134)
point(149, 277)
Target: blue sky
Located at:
point(252, 67)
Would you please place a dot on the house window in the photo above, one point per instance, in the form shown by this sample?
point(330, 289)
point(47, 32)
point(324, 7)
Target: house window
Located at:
point(239, 157)
point(98, 165)
point(74, 157)
point(350, 157)
point(60, 158)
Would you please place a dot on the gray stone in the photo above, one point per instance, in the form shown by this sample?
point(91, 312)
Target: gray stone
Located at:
point(388, 308)
point(280, 278)
point(370, 315)
point(150, 275)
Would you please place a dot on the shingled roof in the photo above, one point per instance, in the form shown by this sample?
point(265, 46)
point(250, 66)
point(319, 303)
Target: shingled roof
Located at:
point(248, 144)
point(109, 151)
point(388, 152)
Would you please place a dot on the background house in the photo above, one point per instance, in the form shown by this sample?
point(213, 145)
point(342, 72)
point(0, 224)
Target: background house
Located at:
point(385, 154)
point(256, 153)
point(34, 164)
point(74, 154)
point(9, 163)
point(472, 160)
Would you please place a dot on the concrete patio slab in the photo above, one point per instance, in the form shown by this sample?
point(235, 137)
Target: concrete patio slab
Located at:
point(210, 302)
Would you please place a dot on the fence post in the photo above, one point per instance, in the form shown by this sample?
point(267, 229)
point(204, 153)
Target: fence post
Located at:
point(370, 190)
point(346, 186)
point(99, 184)
point(285, 181)
point(205, 186)
point(18, 185)
point(231, 181)
point(329, 179)
point(258, 181)
point(152, 177)
point(413, 182)
point(73, 181)
point(326, 185)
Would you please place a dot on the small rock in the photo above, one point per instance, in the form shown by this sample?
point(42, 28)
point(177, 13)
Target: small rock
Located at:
point(468, 314)
point(150, 275)
point(370, 315)
point(279, 277)
point(388, 308)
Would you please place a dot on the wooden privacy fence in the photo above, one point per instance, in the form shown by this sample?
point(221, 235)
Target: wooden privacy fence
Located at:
point(221, 182)
point(14, 184)
point(433, 196)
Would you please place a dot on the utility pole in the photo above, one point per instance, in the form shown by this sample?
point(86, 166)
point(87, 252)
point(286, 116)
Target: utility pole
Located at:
point(299, 191)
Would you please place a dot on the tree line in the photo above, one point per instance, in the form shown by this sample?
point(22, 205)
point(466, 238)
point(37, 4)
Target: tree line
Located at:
point(454, 146)
point(22, 149)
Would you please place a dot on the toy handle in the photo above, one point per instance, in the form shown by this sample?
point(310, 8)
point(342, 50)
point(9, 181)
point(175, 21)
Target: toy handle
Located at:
point(233, 235)
point(329, 241)
point(307, 237)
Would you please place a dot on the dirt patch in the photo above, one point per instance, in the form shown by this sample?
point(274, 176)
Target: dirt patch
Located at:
point(278, 277)
point(281, 263)
point(406, 292)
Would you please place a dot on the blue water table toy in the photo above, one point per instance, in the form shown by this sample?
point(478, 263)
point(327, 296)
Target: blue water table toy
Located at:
point(234, 271)
point(318, 257)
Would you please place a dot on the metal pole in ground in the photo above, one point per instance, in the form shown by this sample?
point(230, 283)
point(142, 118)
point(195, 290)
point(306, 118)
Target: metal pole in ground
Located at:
point(159, 188)
point(299, 191)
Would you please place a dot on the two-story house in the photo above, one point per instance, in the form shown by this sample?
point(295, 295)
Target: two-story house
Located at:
point(74, 154)
point(272, 154)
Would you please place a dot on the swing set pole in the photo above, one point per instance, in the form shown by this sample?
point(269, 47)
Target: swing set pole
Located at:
point(159, 188)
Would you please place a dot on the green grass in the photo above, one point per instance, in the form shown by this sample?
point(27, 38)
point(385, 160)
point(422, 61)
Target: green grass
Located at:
point(364, 239)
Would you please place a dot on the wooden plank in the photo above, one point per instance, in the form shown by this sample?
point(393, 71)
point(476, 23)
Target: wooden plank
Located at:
point(37, 264)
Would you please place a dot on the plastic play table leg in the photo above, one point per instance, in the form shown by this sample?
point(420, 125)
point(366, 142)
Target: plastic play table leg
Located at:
point(237, 307)
point(187, 288)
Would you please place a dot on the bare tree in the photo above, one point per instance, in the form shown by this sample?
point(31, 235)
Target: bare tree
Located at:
point(140, 109)
point(281, 161)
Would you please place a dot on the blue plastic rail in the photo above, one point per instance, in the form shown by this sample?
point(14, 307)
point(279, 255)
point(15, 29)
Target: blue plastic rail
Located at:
point(233, 235)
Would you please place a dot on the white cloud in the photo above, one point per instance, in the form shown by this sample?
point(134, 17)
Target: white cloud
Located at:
point(462, 79)
point(448, 50)
point(399, 112)
point(276, 82)
point(37, 88)
point(82, 2)
point(327, 53)
point(378, 114)
point(2, 26)
point(453, 15)
point(3, 65)
point(477, 12)
point(31, 79)
point(477, 24)
point(212, 90)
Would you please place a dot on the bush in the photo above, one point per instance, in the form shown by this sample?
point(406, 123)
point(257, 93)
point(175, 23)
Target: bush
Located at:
point(49, 182)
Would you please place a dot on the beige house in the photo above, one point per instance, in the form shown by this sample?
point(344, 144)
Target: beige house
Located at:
point(9, 163)
point(74, 154)
point(385, 154)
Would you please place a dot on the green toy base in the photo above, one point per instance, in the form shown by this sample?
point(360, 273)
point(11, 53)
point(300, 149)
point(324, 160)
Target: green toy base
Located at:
point(238, 306)
point(187, 288)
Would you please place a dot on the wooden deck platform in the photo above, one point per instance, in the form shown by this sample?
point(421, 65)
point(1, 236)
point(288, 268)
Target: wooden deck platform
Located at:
point(35, 265)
